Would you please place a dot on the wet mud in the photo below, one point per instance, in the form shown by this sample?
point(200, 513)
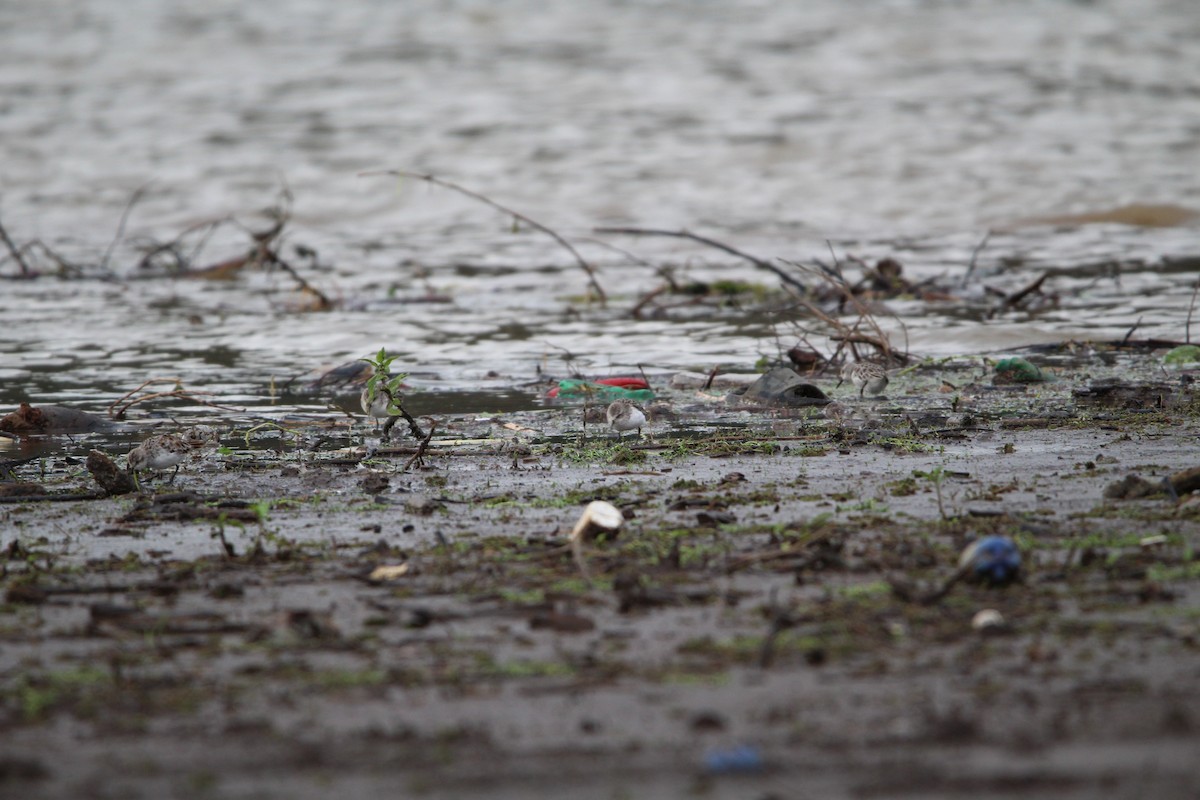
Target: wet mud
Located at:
point(325, 611)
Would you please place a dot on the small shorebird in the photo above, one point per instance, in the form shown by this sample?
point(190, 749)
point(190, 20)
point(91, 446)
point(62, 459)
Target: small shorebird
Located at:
point(866, 376)
point(626, 415)
point(159, 453)
point(377, 404)
point(199, 436)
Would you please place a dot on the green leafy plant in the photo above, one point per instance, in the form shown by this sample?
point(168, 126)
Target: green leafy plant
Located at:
point(935, 476)
point(381, 365)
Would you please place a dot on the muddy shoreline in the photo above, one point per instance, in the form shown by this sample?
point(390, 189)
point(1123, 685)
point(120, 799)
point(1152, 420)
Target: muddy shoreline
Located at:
point(290, 623)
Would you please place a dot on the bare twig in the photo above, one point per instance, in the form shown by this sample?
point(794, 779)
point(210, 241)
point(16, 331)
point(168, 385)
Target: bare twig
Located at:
point(417, 457)
point(413, 428)
point(636, 311)
point(265, 252)
point(568, 359)
point(1012, 300)
point(974, 256)
point(119, 407)
point(120, 234)
point(850, 334)
point(152, 249)
point(270, 256)
point(642, 372)
point(16, 253)
point(635, 259)
point(758, 262)
point(178, 383)
point(1187, 330)
point(431, 179)
point(837, 265)
point(1136, 325)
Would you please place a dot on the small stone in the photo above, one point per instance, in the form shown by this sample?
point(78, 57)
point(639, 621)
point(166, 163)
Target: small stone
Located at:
point(388, 572)
point(561, 622)
point(1130, 487)
point(374, 483)
point(422, 505)
point(707, 721)
point(989, 620)
point(111, 478)
point(21, 489)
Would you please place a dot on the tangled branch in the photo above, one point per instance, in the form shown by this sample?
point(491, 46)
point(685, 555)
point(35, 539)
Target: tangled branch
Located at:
point(120, 406)
point(435, 181)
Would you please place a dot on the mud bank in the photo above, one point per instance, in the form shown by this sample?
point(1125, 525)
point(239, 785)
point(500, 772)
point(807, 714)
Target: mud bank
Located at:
point(301, 621)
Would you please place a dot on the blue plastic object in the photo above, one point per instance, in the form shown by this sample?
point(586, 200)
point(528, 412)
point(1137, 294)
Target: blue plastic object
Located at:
point(742, 758)
point(994, 560)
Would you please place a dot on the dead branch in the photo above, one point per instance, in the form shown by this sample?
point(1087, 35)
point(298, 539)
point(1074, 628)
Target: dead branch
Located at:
point(1136, 325)
point(16, 253)
point(435, 181)
point(1014, 299)
point(418, 457)
point(270, 256)
point(635, 259)
point(265, 253)
point(862, 338)
point(183, 262)
point(120, 234)
point(850, 334)
point(413, 428)
point(1187, 330)
point(65, 267)
point(636, 311)
point(117, 410)
point(756, 261)
point(974, 257)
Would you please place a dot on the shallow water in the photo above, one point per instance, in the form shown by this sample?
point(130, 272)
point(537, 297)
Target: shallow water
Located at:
point(905, 129)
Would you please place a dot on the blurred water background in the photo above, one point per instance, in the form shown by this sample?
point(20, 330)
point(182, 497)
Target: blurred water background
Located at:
point(906, 129)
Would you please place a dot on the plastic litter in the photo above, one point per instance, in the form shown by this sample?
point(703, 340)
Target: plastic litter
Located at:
point(741, 758)
point(606, 389)
point(994, 560)
point(1018, 370)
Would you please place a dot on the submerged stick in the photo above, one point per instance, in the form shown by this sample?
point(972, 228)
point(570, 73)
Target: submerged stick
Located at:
point(755, 260)
point(454, 187)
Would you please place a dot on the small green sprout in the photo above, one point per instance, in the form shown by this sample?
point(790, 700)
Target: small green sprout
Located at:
point(381, 365)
